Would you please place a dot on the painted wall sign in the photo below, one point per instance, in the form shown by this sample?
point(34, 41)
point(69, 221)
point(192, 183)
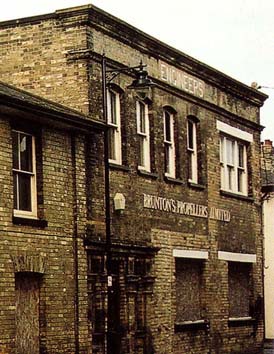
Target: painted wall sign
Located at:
point(185, 208)
point(181, 80)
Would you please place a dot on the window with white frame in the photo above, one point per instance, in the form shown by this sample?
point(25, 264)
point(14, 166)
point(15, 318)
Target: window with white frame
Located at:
point(24, 175)
point(143, 135)
point(114, 126)
point(233, 159)
point(192, 151)
point(169, 144)
point(234, 144)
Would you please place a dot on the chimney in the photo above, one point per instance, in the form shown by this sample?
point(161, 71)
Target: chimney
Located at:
point(268, 143)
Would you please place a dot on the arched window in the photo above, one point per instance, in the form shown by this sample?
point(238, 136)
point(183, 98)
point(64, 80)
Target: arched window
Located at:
point(192, 149)
point(143, 131)
point(169, 142)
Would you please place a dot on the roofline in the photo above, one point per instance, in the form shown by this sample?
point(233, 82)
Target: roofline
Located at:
point(180, 59)
point(35, 104)
point(155, 47)
point(53, 118)
point(77, 10)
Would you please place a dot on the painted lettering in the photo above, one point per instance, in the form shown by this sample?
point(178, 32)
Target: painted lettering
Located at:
point(170, 205)
point(182, 80)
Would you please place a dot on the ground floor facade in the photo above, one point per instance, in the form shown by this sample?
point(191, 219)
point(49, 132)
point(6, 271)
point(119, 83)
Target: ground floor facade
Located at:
point(175, 297)
point(164, 298)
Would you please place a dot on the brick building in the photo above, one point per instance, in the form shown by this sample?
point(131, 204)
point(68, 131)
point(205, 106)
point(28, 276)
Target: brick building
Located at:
point(43, 298)
point(186, 251)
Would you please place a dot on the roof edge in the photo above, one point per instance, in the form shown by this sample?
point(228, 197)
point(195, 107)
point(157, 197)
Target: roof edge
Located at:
point(171, 54)
point(20, 99)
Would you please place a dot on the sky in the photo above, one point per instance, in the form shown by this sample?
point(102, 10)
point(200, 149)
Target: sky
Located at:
point(235, 37)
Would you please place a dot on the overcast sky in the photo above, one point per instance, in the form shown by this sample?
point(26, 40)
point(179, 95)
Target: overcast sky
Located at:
point(235, 36)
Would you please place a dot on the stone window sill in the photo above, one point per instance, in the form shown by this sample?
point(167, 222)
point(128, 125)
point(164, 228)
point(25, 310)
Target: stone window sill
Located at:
point(147, 174)
point(196, 185)
point(236, 196)
point(29, 222)
point(173, 180)
point(191, 326)
point(114, 166)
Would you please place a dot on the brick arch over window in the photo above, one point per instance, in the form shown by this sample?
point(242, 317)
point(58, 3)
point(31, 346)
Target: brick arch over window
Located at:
point(170, 109)
point(116, 88)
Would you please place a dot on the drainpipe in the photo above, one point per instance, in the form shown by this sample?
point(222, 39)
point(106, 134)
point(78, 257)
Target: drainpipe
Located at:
point(107, 207)
point(75, 246)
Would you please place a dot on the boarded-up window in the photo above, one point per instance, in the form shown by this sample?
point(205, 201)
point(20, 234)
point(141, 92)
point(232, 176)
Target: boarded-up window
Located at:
point(27, 293)
point(188, 289)
point(239, 282)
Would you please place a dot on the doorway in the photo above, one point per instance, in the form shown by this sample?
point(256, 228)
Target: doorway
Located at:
point(27, 299)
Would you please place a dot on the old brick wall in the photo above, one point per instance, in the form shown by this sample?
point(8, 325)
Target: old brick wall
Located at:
point(34, 57)
point(51, 247)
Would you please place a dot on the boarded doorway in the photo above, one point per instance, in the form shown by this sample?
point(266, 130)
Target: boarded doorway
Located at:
point(27, 294)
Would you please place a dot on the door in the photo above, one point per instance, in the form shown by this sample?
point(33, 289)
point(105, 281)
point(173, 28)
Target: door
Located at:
point(27, 294)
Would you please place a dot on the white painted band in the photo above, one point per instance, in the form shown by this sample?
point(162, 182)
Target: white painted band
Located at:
point(190, 254)
point(235, 132)
point(237, 257)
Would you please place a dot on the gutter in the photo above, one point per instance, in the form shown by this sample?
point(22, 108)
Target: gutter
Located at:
point(65, 118)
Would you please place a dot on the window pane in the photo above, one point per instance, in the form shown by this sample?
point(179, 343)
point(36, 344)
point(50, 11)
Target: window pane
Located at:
point(15, 191)
point(142, 126)
point(142, 154)
point(190, 165)
point(24, 184)
point(167, 158)
point(26, 152)
point(229, 152)
point(241, 155)
point(223, 186)
point(111, 142)
point(167, 127)
point(240, 180)
point(222, 149)
point(15, 149)
point(113, 117)
point(190, 134)
point(230, 177)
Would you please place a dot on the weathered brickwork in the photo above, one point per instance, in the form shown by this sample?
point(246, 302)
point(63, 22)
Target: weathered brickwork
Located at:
point(58, 57)
point(46, 251)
